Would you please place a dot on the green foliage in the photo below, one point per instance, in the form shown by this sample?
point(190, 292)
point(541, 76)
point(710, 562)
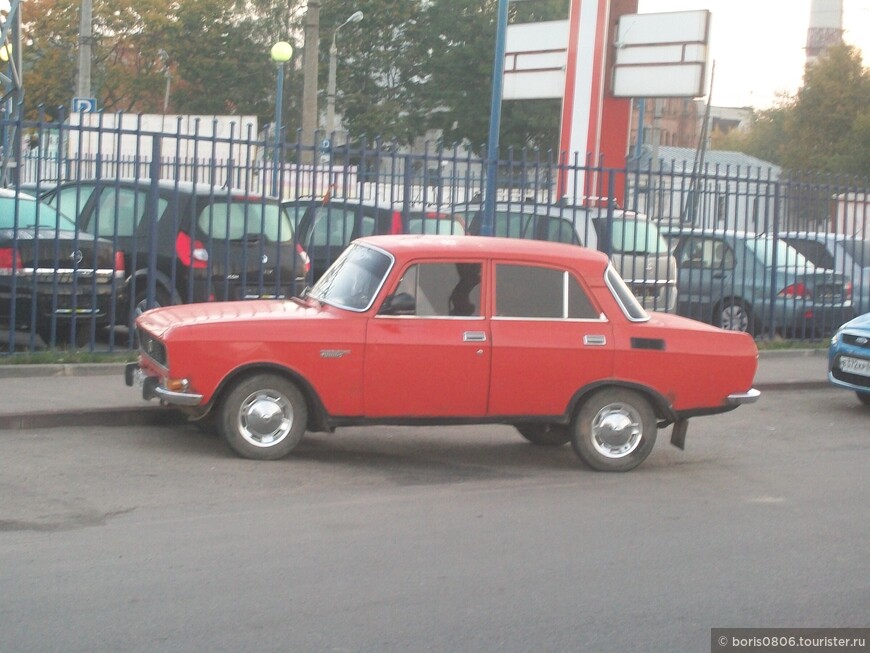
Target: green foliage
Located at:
point(824, 128)
point(410, 67)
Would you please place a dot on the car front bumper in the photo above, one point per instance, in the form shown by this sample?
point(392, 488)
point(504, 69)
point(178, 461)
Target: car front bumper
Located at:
point(153, 388)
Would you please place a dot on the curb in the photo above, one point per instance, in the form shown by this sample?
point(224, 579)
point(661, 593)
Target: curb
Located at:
point(60, 369)
point(144, 416)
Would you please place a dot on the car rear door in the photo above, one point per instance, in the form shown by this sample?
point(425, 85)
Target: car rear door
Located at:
point(549, 339)
point(432, 361)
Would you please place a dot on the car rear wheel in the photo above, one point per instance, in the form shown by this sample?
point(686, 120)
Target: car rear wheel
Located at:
point(614, 430)
point(864, 398)
point(735, 315)
point(545, 435)
point(263, 417)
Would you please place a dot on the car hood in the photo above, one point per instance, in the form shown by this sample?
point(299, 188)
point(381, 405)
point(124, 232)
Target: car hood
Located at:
point(162, 321)
point(860, 322)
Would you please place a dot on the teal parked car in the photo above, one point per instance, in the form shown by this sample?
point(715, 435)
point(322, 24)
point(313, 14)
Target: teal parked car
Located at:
point(756, 283)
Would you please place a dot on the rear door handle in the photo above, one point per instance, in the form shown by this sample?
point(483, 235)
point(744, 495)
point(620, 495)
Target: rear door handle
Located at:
point(474, 336)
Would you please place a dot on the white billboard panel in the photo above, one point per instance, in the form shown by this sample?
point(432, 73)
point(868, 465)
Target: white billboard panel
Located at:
point(653, 81)
point(535, 59)
point(661, 55)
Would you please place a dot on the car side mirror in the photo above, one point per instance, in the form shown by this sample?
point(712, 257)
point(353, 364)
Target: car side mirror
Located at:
point(401, 303)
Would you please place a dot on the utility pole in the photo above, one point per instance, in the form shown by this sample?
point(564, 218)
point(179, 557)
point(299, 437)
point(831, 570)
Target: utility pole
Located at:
point(309, 78)
point(83, 88)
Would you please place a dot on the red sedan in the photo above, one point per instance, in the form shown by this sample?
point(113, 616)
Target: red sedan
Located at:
point(442, 329)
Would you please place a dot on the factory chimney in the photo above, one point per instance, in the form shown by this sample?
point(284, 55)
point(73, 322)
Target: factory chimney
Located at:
point(826, 27)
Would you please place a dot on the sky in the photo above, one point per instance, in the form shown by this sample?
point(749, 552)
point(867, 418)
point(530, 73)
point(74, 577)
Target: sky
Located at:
point(758, 45)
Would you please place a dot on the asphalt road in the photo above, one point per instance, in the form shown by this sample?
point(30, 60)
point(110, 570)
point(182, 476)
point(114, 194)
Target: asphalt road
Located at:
point(434, 539)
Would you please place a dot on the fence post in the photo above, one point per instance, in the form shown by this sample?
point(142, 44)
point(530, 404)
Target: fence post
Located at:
point(153, 196)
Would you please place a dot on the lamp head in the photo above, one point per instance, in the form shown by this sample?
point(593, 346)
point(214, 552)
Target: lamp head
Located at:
point(281, 52)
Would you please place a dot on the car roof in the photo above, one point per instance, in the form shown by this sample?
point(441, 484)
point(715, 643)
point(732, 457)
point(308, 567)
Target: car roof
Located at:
point(701, 231)
point(819, 236)
point(553, 210)
point(189, 187)
point(487, 247)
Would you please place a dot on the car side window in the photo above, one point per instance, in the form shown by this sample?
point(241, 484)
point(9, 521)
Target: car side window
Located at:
point(71, 200)
point(560, 230)
point(118, 212)
point(706, 254)
point(443, 289)
point(527, 291)
point(333, 226)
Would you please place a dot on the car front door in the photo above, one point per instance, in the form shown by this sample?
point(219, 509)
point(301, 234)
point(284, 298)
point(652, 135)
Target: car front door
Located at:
point(705, 276)
point(549, 339)
point(431, 359)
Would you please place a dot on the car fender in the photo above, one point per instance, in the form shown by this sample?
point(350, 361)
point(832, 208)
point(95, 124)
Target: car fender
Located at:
point(660, 404)
point(141, 277)
point(318, 418)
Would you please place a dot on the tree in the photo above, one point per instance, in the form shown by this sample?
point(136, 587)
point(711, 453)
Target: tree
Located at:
point(217, 53)
point(825, 127)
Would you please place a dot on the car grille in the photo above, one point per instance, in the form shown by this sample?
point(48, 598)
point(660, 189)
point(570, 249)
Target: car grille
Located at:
point(854, 379)
point(152, 348)
point(851, 339)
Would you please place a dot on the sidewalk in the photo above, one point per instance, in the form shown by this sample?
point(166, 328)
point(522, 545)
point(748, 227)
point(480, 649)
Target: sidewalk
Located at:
point(94, 394)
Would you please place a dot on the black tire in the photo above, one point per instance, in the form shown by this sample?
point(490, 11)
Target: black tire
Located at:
point(263, 417)
point(864, 397)
point(545, 435)
point(614, 430)
point(140, 305)
point(735, 315)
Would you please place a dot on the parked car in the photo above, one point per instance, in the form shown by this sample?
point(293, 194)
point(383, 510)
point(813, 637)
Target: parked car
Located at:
point(849, 357)
point(756, 283)
point(207, 243)
point(54, 278)
point(634, 244)
point(327, 226)
point(433, 329)
point(841, 253)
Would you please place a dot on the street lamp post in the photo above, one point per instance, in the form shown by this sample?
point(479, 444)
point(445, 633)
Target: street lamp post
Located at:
point(356, 17)
point(281, 53)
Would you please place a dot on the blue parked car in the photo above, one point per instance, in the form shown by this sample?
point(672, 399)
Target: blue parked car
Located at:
point(849, 357)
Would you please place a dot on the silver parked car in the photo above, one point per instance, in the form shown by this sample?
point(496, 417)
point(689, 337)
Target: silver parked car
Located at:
point(633, 242)
point(841, 253)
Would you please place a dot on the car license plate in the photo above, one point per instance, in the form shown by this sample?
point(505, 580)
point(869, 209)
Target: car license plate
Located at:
point(855, 365)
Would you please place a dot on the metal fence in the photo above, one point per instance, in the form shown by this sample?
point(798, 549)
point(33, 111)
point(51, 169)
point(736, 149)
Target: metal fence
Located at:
point(748, 242)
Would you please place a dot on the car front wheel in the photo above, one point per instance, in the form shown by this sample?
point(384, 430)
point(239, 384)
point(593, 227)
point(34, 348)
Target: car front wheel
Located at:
point(864, 398)
point(735, 315)
point(614, 430)
point(263, 417)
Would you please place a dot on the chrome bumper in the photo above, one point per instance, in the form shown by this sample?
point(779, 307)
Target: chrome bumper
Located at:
point(151, 388)
point(740, 398)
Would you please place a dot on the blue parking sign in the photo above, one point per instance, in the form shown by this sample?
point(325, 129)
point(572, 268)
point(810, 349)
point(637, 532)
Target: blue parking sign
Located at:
point(84, 104)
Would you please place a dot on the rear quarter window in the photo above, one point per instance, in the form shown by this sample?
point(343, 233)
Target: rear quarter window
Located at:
point(240, 219)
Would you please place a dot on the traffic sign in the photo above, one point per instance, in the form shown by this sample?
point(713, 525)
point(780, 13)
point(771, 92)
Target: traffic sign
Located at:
point(84, 104)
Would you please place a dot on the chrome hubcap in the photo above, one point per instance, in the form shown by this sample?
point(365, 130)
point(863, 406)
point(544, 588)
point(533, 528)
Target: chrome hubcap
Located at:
point(265, 418)
point(616, 430)
point(734, 319)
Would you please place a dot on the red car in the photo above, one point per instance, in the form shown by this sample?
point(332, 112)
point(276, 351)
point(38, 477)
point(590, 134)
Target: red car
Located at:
point(442, 329)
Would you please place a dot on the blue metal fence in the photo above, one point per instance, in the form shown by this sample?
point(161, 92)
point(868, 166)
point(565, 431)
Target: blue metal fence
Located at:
point(153, 212)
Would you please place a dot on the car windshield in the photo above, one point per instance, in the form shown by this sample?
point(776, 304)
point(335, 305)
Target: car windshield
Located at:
point(859, 250)
point(31, 214)
point(773, 250)
point(353, 281)
point(432, 224)
point(630, 236)
point(238, 219)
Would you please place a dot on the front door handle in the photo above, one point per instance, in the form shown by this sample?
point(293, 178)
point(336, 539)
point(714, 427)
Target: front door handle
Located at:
point(474, 336)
